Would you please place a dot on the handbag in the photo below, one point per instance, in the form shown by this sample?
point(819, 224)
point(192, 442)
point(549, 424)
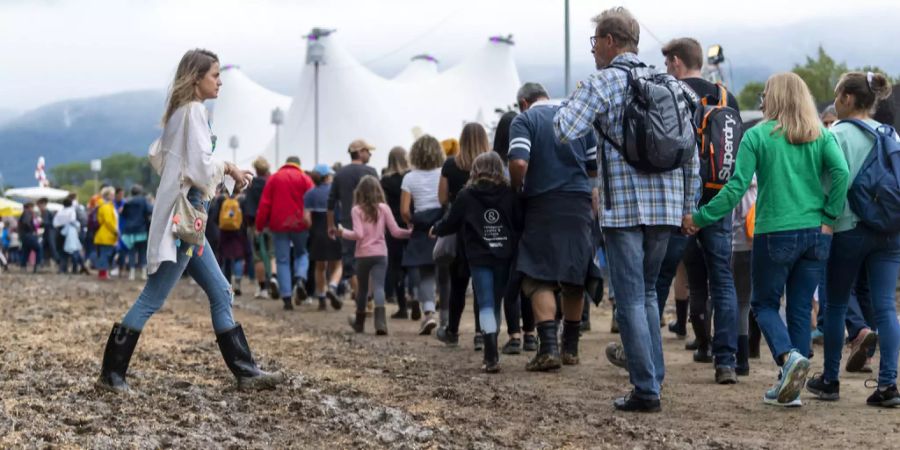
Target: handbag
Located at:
point(188, 222)
point(444, 249)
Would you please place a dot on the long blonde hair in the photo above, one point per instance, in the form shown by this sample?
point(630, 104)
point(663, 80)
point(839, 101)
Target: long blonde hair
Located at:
point(193, 67)
point(397, 162)
point(788, 101)
point(473, 141)
point(367, 195)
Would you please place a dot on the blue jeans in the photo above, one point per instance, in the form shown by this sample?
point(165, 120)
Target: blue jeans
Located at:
point(489, 285)
point(635, 255)
point(283, 242)
point(674, 253)
point(104, 256)
point(879, 256)
point(710, 277)
point(792, 260)
point(204, 270)
point(857, 318)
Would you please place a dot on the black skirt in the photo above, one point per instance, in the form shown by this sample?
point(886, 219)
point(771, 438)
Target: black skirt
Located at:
point(556, 243)
point(420, 249)
point(321, 248)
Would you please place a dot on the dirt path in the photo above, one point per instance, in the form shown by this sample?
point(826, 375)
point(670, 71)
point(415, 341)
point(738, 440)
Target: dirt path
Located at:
point(346, 390)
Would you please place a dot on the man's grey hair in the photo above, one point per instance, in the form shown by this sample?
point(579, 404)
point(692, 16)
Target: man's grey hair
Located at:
point(531, 92)
point(829, 110)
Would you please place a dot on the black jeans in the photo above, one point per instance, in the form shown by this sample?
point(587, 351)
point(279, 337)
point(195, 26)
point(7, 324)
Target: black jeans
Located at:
point(516, 305)
point(395, 279)
point(459, 283)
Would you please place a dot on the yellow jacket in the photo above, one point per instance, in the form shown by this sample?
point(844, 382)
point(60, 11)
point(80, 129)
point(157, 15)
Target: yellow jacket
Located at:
point(108, 233)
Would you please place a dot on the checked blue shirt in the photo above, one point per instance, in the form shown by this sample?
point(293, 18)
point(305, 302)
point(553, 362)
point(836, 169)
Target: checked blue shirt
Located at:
point(637, 198)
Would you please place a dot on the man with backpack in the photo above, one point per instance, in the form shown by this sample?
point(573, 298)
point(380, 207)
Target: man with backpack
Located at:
point(649, 181)
point(708, 254)
point(281, 211)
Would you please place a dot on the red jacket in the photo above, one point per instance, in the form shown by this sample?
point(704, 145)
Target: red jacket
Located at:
point(281, 204)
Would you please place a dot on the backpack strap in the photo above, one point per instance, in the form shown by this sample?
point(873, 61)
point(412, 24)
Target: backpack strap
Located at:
point(723, 95)
point(862, 125)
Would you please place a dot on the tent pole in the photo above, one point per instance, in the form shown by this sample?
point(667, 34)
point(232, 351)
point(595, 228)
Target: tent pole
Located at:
point(316, 108)
point(568, 56)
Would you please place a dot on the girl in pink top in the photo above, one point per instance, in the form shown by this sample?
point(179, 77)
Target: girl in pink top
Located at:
point(371, 217)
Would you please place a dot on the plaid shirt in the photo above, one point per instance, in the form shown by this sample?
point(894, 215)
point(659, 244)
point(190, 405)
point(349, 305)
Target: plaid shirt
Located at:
point(637, 198)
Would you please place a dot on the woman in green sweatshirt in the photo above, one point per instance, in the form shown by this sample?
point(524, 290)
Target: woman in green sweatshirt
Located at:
point(790, 153)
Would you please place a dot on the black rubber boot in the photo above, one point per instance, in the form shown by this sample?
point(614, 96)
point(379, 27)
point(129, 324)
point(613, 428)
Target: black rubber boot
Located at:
point(547, 357)
point(358, 322)
point(743, 356)
point(570, 336)
point(679, 328)
point(491, 355)
point(119, 348)
point(236, 352)
point(380, 321)
point(698, 324)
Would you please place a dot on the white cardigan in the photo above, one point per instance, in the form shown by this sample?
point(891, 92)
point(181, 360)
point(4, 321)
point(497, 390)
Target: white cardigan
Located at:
point(192, 138)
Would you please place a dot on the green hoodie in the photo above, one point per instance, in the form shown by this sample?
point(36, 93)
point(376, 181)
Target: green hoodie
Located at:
point(791, 194)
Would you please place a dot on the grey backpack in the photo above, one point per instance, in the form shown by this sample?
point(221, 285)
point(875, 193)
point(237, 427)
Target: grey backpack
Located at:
point(658, 131)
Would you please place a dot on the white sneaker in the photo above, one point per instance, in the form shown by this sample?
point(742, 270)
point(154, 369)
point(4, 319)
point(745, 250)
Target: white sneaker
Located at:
point(259, 293)
point(131, 274)
point(144, 274)
point(114, 272)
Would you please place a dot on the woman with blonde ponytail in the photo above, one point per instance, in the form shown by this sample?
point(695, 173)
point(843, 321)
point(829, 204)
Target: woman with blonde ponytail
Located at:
point(789, 152)
point(183, 156)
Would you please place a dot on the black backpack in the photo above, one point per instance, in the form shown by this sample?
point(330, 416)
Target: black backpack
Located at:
point(658, 132)
point(719, 133)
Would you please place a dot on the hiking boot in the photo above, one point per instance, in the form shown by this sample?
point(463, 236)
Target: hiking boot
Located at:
point(447, 337)
point(116, 356)
point(547, 357)
point(415, 310)
point(822, 389)
point(703, 355)
point(236, 352)
point(630, 403)
point(380, 321)
point(615, 353)
point(357, 322)
point(786, 392)
point(513, 347)
point(333, 297)
point(726, 375)
point(478, 342)
point(428, 325)
point(400, 314)
point(885, 397)
point(491, 357)
point(529, 343)
point(859, 349)
point(300, 293)
point(570, 336)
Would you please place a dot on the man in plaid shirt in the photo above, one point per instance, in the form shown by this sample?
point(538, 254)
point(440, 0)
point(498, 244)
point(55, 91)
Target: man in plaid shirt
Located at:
point(639, 210)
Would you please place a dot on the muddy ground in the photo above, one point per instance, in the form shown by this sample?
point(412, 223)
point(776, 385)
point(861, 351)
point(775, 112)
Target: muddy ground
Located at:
point(363, 391)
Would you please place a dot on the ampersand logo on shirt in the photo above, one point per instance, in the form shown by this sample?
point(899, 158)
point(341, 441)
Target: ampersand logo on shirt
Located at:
point(491, 216)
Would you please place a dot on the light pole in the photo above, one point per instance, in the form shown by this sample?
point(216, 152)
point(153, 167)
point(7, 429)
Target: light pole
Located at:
point(315, 55)
point(277, 120)
point(568, 56)
point(96, 166)
point(233, 143)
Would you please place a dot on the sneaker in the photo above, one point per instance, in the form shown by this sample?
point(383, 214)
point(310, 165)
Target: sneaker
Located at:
point(822, 389)
point(273, 288)
point(428, 325)
point(447, 337)
point(630, 403)
point(726, 375)
point(478, 342)
point(323, 306)
point(818, 337)
point(885, 397)
point(615, 353)
point(288, 306)
point(795, 403)
point(300, 295)
point(259, 293)
point(793, 377)
point(415, 310)
point(867, 367)
point(332, 295)
point(400, 314)
point(530, 343)
point(513, 347)
point(859, 349)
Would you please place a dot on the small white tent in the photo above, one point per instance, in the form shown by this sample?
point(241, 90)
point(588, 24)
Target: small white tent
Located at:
point(356, 103)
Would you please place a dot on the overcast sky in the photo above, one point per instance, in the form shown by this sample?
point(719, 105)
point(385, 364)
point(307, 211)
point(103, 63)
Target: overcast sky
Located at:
point(59, 49)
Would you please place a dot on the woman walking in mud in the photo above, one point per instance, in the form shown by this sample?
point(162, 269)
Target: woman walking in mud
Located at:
point(186, 167)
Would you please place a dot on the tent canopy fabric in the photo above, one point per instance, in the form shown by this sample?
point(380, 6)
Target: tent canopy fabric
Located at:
point(9, 208)
point(356, 103)
point(36, 193)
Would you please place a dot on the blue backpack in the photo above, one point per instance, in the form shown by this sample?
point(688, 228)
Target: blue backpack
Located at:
point(875, 192)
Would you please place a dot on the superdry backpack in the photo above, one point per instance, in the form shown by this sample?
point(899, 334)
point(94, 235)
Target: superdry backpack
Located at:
point(719, 133)
point(658, 133)
point(230, 216)
point(875, 192)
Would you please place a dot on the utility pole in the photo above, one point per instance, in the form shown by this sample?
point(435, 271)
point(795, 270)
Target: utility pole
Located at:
point(568, 53)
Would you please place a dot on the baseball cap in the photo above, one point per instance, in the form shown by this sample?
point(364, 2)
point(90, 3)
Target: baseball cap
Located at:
point(323, 170)
point(360, 144)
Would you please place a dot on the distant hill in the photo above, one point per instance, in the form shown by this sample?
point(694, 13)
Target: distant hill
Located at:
point(78, 130)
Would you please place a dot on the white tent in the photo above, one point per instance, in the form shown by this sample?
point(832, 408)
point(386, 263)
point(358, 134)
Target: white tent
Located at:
point(420, 68)
point(356, 103)
point(244, 110)
point(36, 193)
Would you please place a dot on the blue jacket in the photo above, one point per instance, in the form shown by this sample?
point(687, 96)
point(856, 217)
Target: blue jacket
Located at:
point(135, 216)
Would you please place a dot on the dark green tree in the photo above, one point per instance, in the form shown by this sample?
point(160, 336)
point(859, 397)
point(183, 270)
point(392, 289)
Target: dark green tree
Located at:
point(748, 99)
point(821, 75)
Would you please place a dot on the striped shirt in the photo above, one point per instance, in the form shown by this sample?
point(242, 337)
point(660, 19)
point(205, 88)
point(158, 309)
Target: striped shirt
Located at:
point(636, 198)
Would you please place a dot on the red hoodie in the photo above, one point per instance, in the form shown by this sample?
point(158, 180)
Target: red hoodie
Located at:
point(281, 204)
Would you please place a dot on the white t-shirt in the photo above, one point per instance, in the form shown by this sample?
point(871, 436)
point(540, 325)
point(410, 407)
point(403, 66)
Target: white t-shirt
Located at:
point(423, 186)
